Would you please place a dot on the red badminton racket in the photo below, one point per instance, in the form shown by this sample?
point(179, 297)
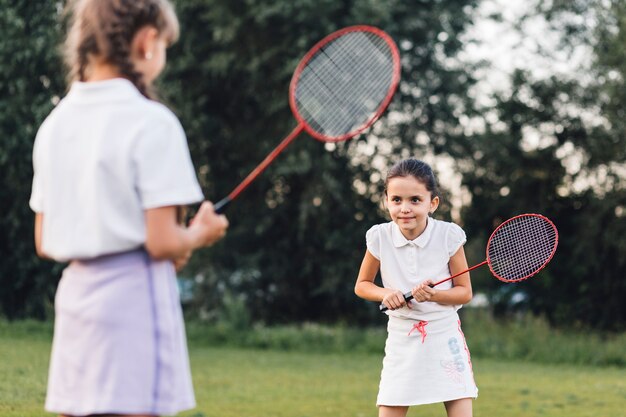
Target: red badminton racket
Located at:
point(518, 249)
point(339, 88)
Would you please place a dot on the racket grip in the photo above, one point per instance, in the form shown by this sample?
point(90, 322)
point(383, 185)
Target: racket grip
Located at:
point(220, 206)
point(407, 296)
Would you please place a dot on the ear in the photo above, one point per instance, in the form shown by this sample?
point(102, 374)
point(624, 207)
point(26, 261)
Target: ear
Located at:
point(144, 43)
point(434, 203)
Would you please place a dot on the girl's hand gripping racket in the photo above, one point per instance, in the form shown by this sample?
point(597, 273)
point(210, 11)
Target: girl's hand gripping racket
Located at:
point(339, 88)
point(518, 249)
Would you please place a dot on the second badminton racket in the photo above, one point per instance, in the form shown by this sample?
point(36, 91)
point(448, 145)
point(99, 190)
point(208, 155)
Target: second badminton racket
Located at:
point(518, 249)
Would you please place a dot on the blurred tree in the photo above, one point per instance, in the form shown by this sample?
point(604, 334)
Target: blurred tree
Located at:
point(597, 190)
point(29, 79)
point(556, 146)
point(552, 145)
point(298, 233)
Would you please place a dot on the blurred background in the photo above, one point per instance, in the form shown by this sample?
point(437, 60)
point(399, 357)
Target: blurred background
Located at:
point(519, 107)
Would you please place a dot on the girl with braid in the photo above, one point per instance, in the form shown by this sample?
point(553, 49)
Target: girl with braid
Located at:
point(112, 168)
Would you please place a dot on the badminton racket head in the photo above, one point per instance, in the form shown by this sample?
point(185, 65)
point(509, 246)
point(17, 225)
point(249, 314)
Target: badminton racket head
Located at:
point(521, 246)
point(345, 82)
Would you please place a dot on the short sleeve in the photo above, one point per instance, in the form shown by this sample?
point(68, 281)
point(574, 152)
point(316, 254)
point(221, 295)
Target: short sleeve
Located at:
point(165, 172)
point(36, 196)
point(372, 239)
point(455, 238)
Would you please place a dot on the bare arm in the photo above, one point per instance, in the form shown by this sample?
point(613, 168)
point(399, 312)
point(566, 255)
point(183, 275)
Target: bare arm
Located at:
point(38, 235)
point(366, 289)
point(460, 293)
point(167, 239)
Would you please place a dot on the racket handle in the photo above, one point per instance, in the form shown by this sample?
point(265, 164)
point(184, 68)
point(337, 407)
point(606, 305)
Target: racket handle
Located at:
point(407, 296)
point(220, 206)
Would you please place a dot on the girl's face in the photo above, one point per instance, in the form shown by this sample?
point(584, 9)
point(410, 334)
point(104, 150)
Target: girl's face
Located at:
point(409, 203)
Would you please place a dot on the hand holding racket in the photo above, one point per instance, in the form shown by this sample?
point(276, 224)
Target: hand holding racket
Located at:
point(518, 249)
point(340, 88)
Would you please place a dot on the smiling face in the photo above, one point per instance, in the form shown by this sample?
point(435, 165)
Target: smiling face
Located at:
point(409, 202)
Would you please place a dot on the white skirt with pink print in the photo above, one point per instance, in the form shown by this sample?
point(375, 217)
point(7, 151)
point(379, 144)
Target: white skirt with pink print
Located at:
point(425, 362)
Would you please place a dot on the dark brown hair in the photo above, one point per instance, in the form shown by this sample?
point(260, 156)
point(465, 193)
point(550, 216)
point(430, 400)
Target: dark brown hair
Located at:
point(420, 170)
point(105, 29)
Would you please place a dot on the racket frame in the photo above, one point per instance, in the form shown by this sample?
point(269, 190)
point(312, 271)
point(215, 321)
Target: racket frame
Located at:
point(395, 80)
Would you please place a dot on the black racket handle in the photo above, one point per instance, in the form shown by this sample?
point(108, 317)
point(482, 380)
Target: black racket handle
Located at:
point(220, 206)
point(407, 297)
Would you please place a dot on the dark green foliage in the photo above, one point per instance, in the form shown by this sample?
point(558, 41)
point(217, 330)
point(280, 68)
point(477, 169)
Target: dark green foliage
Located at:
point(30, 77)
point(510, 180)
point(298, 232)
point(574, 174)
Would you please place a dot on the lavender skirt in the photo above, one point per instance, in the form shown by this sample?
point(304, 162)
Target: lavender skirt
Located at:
point(119, 339)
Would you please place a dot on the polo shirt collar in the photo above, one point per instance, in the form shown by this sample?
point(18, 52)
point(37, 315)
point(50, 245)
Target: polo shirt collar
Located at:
point(399, 240)
point(115, 89)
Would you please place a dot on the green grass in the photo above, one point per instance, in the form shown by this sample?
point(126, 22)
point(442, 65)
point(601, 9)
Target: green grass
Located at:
point(288, 384)
point(527, 338)
point(244, 382)
point(23, 368)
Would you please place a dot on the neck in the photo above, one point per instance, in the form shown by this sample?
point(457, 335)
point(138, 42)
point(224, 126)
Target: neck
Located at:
point(101, 72)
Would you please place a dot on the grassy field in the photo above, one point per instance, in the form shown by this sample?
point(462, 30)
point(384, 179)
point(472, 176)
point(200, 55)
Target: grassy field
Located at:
point(267, 383)
point(239, 382)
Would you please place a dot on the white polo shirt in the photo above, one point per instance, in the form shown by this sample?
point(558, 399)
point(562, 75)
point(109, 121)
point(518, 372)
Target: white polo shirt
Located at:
point(103, 156)
point(405, 263)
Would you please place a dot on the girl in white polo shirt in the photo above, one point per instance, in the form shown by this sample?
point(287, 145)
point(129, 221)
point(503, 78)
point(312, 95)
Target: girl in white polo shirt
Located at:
point(112, 167)
point(426, 357)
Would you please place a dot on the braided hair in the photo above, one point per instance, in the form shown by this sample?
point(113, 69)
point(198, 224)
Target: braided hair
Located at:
point(104, 30)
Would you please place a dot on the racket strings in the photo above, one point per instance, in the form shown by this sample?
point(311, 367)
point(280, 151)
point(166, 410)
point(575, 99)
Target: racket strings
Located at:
point(370, 80)
point(348, 55)
point(521, 247)
point(345, 82)
point(335, 80)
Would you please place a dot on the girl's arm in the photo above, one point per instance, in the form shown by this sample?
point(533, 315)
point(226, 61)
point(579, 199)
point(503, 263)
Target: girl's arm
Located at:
point(38, 234)
point(366, 289)
point(460, 293)
point(167, 239)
